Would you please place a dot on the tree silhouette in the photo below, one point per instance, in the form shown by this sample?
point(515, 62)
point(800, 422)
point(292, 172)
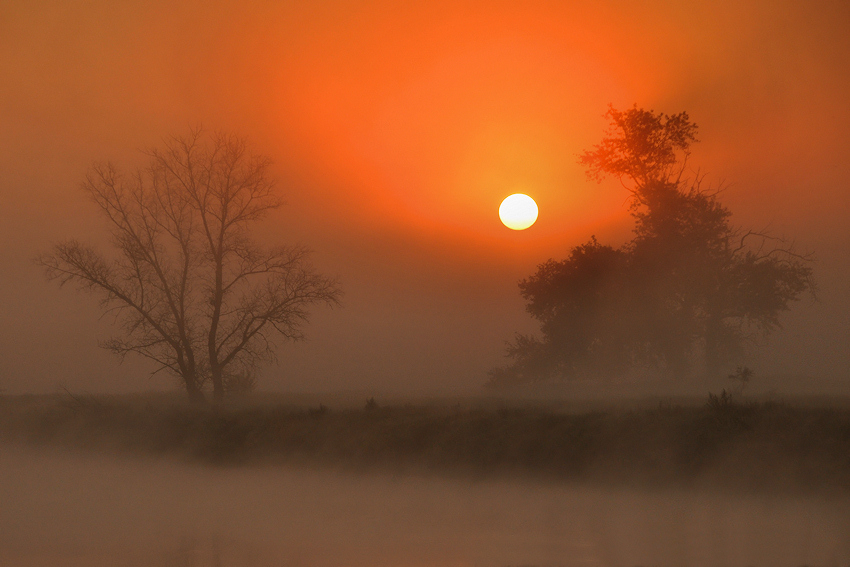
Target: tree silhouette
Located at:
point(193, 291)
point(642, 147)
point(688, 284)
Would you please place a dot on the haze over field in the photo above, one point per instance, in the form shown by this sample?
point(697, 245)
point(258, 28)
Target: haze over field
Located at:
point(393, 131)
point(108, 512)
point(396, 132)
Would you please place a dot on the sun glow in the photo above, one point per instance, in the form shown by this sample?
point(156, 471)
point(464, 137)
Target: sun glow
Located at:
point(518, 211)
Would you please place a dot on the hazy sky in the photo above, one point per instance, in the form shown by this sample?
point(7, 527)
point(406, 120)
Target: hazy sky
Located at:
point(396, 131)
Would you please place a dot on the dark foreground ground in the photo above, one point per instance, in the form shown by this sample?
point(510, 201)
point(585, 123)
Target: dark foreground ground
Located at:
point(717, 442)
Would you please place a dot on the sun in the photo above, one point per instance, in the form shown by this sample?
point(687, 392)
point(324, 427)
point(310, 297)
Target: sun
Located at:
point(518, 211)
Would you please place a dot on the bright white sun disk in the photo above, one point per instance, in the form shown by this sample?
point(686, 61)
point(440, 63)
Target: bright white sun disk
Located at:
point(518, 211)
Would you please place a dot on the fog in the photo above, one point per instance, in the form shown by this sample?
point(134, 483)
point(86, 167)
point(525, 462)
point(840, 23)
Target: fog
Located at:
point(395, 133)
point(64, 509)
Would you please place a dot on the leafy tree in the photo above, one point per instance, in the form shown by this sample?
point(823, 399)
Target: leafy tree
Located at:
point(577, 302)
point(688, 282)
point(192, 290)
point(643, 148)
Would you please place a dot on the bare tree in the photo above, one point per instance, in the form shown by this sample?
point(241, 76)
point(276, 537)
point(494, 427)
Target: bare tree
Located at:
point(192, 290)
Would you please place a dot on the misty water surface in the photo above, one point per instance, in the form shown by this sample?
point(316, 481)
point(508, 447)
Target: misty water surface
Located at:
point(62, 509)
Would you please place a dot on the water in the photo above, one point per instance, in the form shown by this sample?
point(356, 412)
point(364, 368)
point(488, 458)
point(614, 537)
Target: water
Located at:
point(63, 509)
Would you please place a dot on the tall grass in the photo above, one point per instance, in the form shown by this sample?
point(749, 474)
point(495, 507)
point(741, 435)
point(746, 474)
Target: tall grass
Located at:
point(750, 446)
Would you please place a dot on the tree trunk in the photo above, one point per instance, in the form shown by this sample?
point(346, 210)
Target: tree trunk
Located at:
point(713, 350)
point(216, 300)
point(195, 393)
point(218, 383)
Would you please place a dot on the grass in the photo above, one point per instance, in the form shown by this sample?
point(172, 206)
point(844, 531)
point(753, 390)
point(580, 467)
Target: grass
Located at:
point(756, 446)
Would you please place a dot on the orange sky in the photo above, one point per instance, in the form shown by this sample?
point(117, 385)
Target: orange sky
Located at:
point(396, 131)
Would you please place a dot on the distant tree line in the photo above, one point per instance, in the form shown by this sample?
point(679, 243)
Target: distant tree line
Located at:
point(684, 295)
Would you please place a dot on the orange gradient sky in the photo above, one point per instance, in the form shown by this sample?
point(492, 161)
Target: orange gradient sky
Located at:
point(396, 132)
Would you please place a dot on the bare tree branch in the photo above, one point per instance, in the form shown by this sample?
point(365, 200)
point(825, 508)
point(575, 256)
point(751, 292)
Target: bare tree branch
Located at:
point(190, 288)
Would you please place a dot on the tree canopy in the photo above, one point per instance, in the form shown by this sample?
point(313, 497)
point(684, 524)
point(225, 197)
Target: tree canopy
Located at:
point(192, 290)
point(686, 292)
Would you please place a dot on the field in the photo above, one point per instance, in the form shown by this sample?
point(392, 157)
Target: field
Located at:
point(716, 442)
